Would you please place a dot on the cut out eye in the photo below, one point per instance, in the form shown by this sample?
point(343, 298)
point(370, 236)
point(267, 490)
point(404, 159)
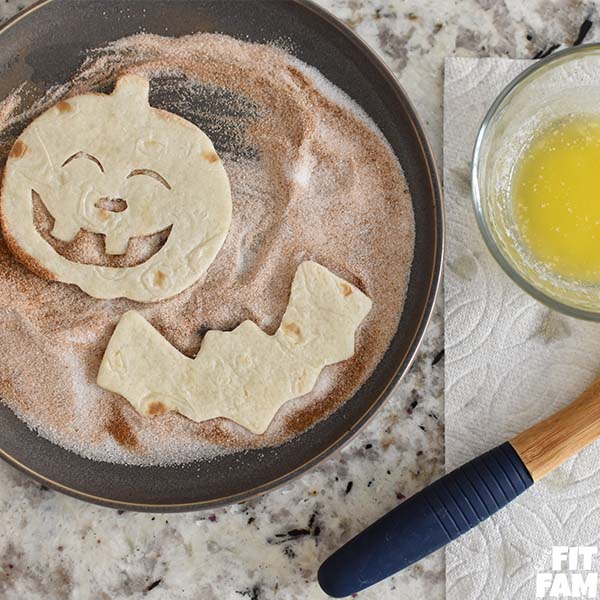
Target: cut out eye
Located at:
point(150, 173)
point(83, 155)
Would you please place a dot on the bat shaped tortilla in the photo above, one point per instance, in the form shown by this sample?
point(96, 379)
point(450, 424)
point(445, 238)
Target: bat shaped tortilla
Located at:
point(244, 375)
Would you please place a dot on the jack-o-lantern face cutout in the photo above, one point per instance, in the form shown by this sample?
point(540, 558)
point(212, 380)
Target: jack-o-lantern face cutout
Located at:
point(113, 165)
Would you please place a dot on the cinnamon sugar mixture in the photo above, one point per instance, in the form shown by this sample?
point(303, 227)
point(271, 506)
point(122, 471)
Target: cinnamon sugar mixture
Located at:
point(311, 177)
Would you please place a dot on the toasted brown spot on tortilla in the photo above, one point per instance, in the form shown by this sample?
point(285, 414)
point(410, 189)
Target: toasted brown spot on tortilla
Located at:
point(160, 279)
point(18, 150)
point(292, 328)
point(156, 408)
point(64, 107)
point(211, 157)
point(346, 289)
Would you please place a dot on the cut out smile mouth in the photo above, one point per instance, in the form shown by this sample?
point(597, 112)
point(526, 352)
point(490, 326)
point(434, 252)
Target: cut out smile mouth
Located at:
point(89, 248)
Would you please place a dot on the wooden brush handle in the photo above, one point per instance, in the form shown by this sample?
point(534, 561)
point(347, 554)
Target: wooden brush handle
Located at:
point(551, 442)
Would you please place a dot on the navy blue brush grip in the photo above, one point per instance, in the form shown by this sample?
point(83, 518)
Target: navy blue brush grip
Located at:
point(427, 521)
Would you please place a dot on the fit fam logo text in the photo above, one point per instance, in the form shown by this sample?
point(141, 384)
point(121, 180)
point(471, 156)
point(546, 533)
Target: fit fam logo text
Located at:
point(571, 576)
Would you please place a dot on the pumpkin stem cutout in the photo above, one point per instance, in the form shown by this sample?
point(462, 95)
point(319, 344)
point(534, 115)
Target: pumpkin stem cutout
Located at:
point(244, 375)
point(114, 165)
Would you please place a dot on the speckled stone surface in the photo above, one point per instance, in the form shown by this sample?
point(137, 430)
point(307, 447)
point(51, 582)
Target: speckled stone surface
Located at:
point(53, 547)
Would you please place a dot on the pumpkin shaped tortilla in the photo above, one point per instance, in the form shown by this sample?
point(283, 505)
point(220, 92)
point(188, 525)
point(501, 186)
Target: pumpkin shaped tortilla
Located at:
point(113, 165)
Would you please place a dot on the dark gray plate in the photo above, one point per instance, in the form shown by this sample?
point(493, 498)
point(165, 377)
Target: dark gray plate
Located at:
point(46, 44)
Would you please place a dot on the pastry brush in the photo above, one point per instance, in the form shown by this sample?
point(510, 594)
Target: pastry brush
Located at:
point(460, 500)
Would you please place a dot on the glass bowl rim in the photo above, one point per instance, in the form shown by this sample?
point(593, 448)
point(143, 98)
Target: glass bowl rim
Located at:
point(504, 96)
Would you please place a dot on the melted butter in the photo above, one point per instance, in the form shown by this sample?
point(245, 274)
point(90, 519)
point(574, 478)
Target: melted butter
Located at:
point(556, 197)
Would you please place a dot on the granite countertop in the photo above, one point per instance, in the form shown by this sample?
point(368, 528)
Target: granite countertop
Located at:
point(55, 547)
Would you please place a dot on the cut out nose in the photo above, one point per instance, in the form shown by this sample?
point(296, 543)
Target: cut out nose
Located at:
point(115, 205)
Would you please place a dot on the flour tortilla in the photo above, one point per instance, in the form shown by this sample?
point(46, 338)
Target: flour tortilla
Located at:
point(98, 147)
point(244, 375)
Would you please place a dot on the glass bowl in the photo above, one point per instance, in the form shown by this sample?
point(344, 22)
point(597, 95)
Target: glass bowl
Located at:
point(564, 84)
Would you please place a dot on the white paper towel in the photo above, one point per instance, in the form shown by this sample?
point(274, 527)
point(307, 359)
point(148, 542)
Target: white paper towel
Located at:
point(510, 362)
